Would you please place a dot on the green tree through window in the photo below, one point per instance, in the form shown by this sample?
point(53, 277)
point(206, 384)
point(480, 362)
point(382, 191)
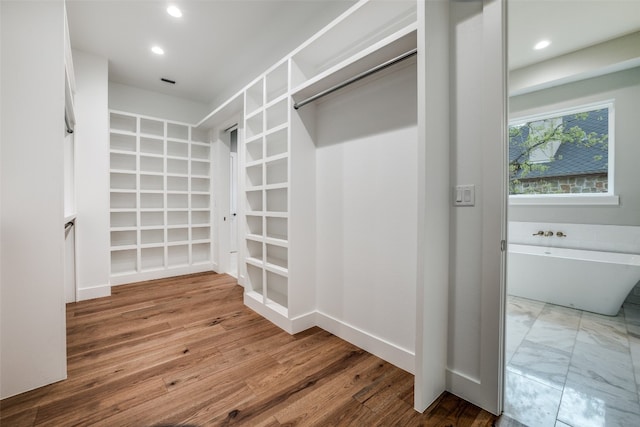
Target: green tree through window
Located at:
point(559, 154)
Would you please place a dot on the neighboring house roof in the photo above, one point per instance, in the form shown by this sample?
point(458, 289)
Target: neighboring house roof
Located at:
point(572, 158)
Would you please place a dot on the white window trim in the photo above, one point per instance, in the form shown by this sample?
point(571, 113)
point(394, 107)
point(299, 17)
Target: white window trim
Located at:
point(581, 199)
point(594, 199)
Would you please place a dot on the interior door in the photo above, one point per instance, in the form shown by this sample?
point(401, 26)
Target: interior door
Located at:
point(233, 202)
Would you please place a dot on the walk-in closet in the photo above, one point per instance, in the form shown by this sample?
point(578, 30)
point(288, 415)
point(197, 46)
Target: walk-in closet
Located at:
point(320, 179)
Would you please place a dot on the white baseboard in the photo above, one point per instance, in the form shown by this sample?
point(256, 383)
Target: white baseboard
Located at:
point(160, 274)
point(303, 322)
point(93, 292)
point(274, 316)
point(400, 357)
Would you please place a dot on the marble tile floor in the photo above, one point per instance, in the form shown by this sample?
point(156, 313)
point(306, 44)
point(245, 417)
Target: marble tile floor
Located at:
point(567, 367)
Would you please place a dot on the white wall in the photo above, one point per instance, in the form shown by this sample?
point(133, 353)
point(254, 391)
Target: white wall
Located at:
point(139, 101)
point(92, 175)
point(33, 342)
point(366, 209)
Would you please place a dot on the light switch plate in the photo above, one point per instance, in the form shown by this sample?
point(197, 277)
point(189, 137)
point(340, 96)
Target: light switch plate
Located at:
point(464, 195)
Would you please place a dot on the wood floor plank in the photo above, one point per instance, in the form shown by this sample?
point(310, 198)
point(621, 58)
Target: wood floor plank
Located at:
point(328, 398)
point(221, 408)
point(386, 385)
point(349, 413)
point(26, 418)
point(99, 403)
point(113, 339)
point(186, 351)
point(278, 398)
point(220, 369)
point(288, 373)
point(173, 408)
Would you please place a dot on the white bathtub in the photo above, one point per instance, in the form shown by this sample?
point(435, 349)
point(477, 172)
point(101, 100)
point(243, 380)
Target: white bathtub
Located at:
point(587, 280)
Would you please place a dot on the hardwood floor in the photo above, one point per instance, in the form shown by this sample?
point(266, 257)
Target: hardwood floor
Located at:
point(186, 351)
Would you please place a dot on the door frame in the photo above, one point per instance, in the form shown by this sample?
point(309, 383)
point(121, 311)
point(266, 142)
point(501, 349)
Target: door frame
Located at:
point(221, 189)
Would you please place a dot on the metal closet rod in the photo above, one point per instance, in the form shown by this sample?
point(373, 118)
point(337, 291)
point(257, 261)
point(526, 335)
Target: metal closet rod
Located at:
point(356, 78)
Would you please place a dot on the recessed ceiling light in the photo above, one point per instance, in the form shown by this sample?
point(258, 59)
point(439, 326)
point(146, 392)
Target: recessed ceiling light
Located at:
point(157, 50)
point(174, 11)
point(542, 44)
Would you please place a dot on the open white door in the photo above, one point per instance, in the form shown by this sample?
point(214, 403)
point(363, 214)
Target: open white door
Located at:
point(232, 214)
point(462, 130)
point(233, 202)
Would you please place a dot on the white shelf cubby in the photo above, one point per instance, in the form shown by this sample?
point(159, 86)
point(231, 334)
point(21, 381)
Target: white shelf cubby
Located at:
point(123, 123)
point(277, 143)
point(152, 259)
point(254, 125)
point(123, 220)
point(123, 181)
point(178, 149)
point(277, 114)
point(201, 184)
point(200, 252)
point(254, 97)
point(178, 131)
point(153, 146)
point(152, 127)
point(123, 162)
point(277, 81)
point(122, 142)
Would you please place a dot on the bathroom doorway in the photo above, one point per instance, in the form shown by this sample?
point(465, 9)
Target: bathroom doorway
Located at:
point(572, 193)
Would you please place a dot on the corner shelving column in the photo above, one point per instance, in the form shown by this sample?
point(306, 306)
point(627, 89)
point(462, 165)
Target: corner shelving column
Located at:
point(177, 230)
point(266, 198)
point(123, 197)
point(200, 198)
point(160, 199)
point(151, 172)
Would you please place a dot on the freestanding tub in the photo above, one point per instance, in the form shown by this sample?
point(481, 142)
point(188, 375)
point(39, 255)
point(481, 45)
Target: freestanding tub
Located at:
point(587, 280)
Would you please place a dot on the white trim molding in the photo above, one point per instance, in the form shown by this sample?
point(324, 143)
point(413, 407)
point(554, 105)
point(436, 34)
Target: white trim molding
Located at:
point(94, 292)
point(602, 199)
point(398, 356)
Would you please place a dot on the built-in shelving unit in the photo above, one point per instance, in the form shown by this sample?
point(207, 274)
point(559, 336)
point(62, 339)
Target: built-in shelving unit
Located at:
point(277, 159)
point(265, 158)
point(160, 198)
point(278, 152)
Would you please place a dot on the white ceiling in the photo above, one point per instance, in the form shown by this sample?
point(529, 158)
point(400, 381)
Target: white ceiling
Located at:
point(220, 45)
point(211, 52)
point(570, 25)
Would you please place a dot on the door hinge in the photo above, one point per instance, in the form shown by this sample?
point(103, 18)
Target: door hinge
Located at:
point(503, 245)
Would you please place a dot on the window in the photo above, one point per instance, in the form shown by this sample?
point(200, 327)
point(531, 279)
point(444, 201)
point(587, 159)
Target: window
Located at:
point(564, 153)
